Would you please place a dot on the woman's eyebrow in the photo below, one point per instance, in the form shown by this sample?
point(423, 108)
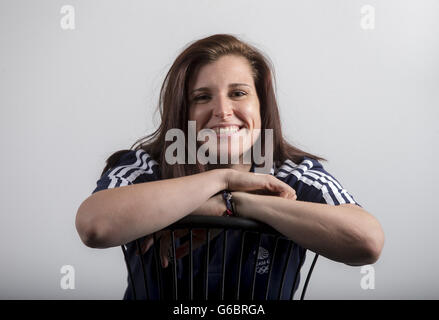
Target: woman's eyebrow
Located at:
point(232, 85)
point(239, 84)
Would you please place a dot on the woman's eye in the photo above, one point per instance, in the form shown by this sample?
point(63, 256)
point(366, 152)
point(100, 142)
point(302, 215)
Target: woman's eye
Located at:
point(238, 93)
point(202, 97)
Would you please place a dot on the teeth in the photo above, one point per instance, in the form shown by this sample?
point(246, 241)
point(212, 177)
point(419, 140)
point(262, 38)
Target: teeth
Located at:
point(225, 130)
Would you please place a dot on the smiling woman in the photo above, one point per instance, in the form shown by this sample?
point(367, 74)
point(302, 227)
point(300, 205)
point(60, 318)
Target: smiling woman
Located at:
point(225, 86)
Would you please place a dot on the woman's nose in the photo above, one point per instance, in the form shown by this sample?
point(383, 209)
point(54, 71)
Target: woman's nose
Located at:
point(222, 108)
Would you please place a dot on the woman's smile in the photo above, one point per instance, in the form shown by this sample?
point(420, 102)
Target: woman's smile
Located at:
point(224, 130)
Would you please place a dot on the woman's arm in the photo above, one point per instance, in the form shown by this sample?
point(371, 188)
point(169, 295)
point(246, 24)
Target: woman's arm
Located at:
point(117, 216)
point(345, 233)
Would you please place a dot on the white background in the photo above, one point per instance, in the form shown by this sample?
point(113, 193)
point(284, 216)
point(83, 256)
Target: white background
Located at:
point(367, 100)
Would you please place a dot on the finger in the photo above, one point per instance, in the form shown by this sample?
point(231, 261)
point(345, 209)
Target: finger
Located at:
point(164, 249)
point(289, 194)
point(149, 240)
point(293, 195)
point(285, 191)
point(142, 245)
point(279, 186)
point(147, 244)
point(164, 259)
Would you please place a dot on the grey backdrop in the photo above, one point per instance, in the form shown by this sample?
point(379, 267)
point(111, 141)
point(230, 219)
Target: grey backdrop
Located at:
point(367, 100)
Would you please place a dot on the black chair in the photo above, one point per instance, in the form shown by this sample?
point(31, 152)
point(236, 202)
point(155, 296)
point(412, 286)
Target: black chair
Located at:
point(167, 279)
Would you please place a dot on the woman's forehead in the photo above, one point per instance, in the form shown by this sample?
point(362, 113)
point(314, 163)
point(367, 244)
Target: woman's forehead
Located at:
point(227, 70)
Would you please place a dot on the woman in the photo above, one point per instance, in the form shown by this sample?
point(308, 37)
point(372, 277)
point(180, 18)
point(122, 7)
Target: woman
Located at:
point(226, 87)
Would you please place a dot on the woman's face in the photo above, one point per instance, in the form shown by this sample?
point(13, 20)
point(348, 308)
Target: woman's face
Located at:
point(223, 98)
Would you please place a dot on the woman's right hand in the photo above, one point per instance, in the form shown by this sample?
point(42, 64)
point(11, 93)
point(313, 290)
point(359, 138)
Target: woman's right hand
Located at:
point(258, 183)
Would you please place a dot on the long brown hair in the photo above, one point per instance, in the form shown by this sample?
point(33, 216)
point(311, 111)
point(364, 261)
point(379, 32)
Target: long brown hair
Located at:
point(174, 103)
